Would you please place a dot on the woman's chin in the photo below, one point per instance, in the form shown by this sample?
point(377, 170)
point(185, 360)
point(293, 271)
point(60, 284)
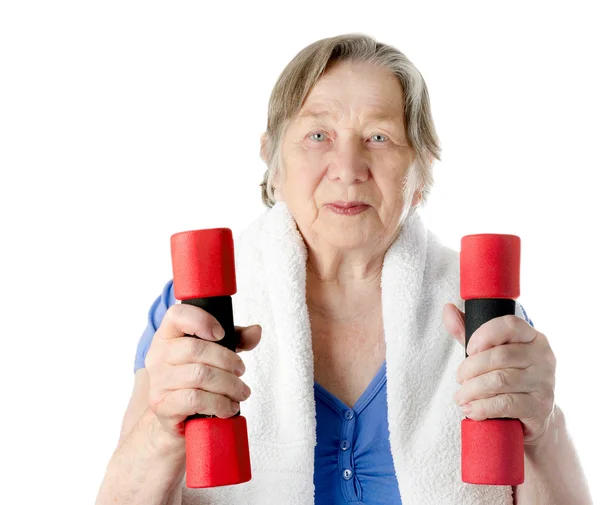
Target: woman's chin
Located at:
point(348, 232)
point(348, 239)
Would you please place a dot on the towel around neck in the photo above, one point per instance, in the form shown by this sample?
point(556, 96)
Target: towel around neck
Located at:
point(419, 276)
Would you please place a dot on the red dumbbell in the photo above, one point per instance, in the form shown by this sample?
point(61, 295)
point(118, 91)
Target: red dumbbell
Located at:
point(217, 452)
point(492, 450)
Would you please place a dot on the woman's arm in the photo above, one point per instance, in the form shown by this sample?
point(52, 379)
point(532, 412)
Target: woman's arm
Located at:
point(149, 464)
point(553, 473)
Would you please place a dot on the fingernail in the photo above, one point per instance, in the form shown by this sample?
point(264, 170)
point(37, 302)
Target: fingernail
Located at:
point(240, 371)
point(235, 407)
point(466, 409)
point(218, 331)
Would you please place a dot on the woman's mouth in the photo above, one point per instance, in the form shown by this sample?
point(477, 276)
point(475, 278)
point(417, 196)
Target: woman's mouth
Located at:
point(347, 208)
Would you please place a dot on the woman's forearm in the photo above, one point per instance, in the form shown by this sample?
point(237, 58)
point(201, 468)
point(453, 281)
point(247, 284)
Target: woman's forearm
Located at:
point(553, 473)
point(146, 468)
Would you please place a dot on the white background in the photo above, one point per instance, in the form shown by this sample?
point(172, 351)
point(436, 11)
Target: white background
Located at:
point(122, 123)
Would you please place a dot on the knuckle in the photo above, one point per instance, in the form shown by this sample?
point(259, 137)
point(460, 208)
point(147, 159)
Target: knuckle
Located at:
point(513, 321)
point(233, 408)
point(172, 318)
point(194, 401)
point(234, 361)
point(239, 365)
point(227, 406)
point(202, 374)
point(507, 404)
point(488, 381)
point(496, 380)
point(174, 312)
point(196, 349)
point(501, 379)
point(243, 389)
point(223, 406)
point(499, 357)
point(227, 359)
point(188, 348)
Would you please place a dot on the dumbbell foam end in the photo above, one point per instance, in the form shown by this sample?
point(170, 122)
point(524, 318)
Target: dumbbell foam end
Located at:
point(203, 263)
point(217, 452)
point(492, 452)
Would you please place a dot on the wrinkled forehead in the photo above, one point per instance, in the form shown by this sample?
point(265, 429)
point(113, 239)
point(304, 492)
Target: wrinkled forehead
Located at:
point(320, 111)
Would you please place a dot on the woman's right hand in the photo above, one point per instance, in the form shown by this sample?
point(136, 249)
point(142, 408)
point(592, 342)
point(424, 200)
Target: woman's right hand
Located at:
point(189, 375)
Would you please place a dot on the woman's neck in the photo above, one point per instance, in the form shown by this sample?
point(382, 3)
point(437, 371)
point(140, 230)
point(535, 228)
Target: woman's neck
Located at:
point(343, 292)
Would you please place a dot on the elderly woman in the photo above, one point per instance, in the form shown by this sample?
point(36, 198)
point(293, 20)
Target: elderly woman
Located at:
point(348, 304)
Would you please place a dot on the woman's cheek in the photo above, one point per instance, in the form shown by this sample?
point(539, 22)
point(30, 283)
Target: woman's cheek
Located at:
point(389, 179)
point(304, 177)
point(313, 163)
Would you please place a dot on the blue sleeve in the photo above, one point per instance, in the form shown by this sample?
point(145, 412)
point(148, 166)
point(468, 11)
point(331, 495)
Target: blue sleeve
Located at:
point(525, 316)
point(155, 316)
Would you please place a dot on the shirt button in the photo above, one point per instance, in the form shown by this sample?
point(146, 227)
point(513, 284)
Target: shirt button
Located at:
point(344, 445)
point(347, 474)
point(349, 414)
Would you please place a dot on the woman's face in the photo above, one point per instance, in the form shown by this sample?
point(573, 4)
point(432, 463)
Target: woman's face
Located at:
point(348, 144)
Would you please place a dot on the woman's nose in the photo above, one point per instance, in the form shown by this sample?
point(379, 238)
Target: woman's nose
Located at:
point(348, 163)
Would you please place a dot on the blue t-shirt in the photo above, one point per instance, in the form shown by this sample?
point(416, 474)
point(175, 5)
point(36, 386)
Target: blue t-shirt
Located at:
point(353, 458)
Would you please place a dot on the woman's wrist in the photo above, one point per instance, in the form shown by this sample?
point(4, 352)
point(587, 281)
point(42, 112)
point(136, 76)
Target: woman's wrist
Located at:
point(548, 439)
point(163, 442)
point(147, 466)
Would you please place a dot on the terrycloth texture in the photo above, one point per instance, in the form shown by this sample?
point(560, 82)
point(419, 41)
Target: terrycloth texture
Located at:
point(419, 276)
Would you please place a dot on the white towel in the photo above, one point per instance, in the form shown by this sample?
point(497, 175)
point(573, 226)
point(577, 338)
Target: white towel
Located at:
point(419, 276)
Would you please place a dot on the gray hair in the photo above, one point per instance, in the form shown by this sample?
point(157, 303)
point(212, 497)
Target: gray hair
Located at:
point(301, 74)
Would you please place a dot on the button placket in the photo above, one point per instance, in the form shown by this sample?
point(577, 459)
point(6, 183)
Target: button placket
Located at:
point(345, 459)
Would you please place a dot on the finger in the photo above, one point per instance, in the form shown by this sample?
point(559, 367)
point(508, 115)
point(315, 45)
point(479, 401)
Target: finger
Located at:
point(515, 406)
point(249, 337)
point(454, 320)
point(186, 402)
point(207, 378)
point(501, 330)
point(507, 380)
point(194, 350)
point(181, 319)
point(499, 357)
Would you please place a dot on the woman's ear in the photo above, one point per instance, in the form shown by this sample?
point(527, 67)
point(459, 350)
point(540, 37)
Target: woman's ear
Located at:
point(277, 188)
point(418, 197)
point(263, 146)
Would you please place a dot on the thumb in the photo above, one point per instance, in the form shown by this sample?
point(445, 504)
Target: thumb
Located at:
point(454, 321)
point(249, 337)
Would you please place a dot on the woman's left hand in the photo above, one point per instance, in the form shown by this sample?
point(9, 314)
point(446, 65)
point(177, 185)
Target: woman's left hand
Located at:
point(510, 372)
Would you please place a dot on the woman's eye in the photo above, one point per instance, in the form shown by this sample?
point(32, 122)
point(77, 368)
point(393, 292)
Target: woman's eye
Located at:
point(317, 133)
point(378, 135)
